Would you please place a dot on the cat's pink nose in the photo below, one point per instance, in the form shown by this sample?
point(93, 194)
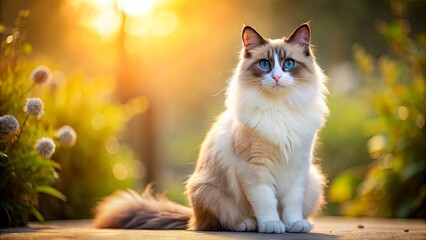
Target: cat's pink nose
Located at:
point(276, 77)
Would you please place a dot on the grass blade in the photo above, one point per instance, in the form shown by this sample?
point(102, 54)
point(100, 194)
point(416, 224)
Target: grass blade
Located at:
point(51, 191)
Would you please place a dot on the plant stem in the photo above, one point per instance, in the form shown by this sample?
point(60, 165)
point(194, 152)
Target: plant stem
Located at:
point(29, 89)
point(22, 128)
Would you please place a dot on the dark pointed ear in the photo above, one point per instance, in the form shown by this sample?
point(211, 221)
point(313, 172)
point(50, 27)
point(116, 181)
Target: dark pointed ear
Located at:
point(301, 36)
point(251, 39)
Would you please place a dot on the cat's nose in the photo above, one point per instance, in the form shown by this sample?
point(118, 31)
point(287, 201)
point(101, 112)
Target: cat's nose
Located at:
point(276, 77)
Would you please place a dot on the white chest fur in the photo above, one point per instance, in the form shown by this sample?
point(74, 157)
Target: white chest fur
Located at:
point(291, 129)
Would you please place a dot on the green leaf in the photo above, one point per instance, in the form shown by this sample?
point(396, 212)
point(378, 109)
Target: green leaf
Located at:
point(37, 214)
point(2, 154)
point(56, 165)
point(51, 191)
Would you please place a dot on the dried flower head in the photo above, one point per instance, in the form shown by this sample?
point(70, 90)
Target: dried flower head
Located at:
point(45, 147)
point(40, 74)
point(34, 107)
point(66, 136)
point(8, 124)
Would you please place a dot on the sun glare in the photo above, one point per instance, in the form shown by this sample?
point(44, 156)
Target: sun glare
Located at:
point(153, 17)
point(108, 22)
point(135, 7)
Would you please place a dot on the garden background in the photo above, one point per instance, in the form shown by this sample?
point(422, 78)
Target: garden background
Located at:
point(141, 82)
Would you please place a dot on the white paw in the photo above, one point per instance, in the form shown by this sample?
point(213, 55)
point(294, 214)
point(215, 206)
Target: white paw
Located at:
point(301, 226)
point(247, 225)
point(271, 227)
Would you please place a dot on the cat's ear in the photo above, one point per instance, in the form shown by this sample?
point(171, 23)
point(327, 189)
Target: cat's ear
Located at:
point(251, 39)
point(301, 36)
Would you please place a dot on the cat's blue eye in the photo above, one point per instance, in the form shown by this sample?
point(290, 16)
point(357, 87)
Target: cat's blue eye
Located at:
point(264, 64)
point(289, 63)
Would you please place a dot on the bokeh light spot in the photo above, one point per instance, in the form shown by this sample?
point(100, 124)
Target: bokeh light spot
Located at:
point(112, 145)
point(9, 39)
point(137, 105)
point(403, 112)
point(376, 144)
point(420, 121)
point(108, 23)
point(120, 171)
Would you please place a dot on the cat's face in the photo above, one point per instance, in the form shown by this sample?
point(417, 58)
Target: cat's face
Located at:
point(280, 65)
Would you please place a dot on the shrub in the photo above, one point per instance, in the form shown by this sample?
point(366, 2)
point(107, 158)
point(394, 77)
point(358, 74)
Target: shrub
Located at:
point(26, 143)
point(393, 185)
point(34, 102)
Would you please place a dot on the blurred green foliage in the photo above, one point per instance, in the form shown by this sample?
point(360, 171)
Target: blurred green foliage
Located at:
point(393, 183)
point(380, 176)
point(88, 168)
point(98, 164)
point(24, 173)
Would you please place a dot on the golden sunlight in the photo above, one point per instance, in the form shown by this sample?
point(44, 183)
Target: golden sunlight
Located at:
point(138, 25)
point(165, 23)
point(104, 3)
point(135, 7)
point(108, 23)
point(106, 18)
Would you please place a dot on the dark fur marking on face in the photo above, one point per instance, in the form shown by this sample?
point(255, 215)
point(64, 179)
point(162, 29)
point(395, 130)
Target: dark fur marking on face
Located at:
point(303, 65)
point(269, 53)
point(279, 51)
point(307, 52)
point(281, 54)
point(256, 70)
point(295, 71)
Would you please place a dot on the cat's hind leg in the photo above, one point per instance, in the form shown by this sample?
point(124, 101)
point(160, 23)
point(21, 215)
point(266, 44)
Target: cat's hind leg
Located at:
point(313, 197)
point(214, 209)
point(246, 225)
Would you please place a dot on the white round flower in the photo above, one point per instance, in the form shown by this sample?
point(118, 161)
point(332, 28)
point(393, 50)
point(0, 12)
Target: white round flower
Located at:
point(8, 124)
point(34, 107)
point(45, 147)
point(66, 136)
point(40, 74)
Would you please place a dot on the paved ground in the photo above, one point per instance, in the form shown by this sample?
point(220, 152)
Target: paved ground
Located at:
point(324, 228)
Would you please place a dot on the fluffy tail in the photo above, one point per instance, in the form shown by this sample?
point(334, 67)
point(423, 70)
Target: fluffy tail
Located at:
point(128, 209)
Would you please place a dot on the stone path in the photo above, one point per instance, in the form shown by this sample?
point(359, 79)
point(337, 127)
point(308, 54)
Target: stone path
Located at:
point(324, 228)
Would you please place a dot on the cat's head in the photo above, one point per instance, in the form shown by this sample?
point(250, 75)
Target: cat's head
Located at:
point(280, 67)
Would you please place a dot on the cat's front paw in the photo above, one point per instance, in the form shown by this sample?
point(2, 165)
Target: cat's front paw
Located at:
point(301, 226)
point(247, 225)
point(271, 227)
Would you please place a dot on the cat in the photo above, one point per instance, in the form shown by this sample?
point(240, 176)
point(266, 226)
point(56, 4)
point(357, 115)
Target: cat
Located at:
point(255, 168)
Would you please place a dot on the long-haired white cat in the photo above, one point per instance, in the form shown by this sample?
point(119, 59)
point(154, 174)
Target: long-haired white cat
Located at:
point(254, 170)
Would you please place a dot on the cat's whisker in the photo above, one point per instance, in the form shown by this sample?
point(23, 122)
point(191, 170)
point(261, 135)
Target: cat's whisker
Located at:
point(218, 93)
